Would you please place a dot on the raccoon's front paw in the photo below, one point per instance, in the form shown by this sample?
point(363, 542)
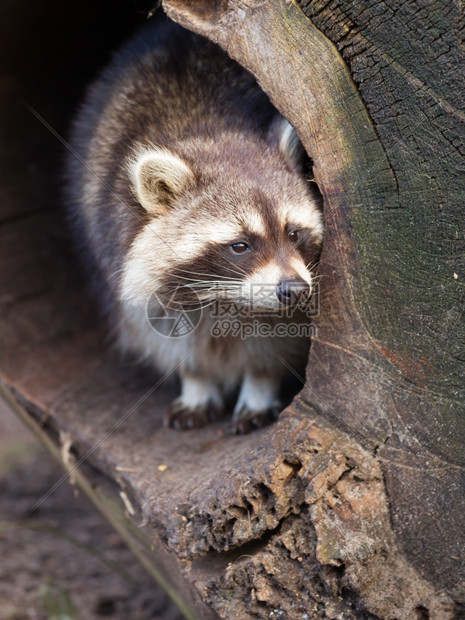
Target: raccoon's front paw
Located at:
point(183, 417)
point(245, 420)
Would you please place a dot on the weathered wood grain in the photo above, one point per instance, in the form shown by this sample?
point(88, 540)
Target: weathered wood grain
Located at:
point(292, 521)
point(387, 364)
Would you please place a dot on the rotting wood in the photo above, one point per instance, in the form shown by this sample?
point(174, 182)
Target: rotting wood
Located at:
point(290, 520)
point(102, 492)
point(293, 521)
point(386, 366)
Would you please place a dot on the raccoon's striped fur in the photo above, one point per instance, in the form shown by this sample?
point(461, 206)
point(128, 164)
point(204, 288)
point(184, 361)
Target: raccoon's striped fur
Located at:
point(193, 191)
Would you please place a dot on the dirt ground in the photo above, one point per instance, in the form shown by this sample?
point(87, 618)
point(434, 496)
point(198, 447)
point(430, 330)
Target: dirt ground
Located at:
point(64, 562)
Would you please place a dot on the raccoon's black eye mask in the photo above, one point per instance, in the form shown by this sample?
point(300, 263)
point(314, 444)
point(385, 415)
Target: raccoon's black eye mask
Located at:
point(240, 247)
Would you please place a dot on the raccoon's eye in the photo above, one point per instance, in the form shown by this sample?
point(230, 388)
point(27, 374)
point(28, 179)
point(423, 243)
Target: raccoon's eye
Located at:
point(239, 248)
point(293, 236)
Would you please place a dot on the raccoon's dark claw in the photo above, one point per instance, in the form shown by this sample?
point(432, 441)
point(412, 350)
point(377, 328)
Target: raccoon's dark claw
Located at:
point(245, 421)
point(181, 417)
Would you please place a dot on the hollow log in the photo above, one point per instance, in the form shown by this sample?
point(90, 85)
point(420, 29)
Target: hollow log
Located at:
point(352, 504)
point(387, 365)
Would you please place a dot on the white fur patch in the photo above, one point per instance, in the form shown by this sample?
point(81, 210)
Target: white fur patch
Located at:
point(304, 215)
point(290, 146)
point(141, 273)
point(151, 167)
point(260, 287)
point(198, 391)
point(257, 394)
point(299, 266)
point(271, 273)
point(154, 253)
point(255, 223)
point(213, 231)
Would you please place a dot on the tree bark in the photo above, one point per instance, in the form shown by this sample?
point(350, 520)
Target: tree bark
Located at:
point(295, 520)
point(388, 362)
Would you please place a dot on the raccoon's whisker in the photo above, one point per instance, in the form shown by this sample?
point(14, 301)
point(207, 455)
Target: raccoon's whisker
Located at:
point(198, 273)
point(191, 279)
point(236, 269)
point(217, 287)
point(192, 285)
point(207, 285)
point(311, 265)
point(211, 295)
point(233, 269)
point(213, 282)
point(210, 303)
point(200, 290)
point(216, 276)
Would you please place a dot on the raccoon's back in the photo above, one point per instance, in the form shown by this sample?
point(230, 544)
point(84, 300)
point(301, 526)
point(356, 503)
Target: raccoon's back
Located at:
point(165, 86)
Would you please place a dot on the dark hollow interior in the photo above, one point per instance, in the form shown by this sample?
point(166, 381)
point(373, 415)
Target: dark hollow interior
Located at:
point(50, 51)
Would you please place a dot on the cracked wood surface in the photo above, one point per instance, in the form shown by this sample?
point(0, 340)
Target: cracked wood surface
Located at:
point(408, 61)
point(387, 364)
point(292, 521)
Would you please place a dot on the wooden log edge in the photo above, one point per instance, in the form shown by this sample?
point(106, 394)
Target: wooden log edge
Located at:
point(320, 535)
point(104, 494)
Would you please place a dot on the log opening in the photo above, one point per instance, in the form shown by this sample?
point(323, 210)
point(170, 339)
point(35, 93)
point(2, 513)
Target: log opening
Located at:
point(302, 504)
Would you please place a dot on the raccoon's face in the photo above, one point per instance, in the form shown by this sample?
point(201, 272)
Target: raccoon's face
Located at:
point(250, 235)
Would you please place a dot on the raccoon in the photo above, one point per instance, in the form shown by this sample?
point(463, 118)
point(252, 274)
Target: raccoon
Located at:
point(186, 192)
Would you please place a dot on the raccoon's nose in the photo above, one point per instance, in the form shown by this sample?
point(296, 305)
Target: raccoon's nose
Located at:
point(292, 291)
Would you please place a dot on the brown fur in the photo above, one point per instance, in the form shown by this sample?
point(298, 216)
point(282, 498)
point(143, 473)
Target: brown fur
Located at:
point(186, 156)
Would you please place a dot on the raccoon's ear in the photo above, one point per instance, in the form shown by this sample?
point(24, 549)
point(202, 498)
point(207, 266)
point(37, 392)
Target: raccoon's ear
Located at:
point(290, 145)
point(158, 177)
